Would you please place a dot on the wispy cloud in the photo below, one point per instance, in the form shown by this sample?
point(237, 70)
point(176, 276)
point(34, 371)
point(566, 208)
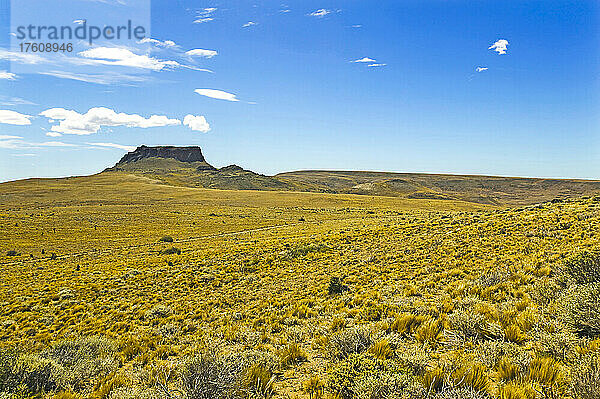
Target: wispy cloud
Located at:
point(249, 24)
point(113, 145)
point(14, 118)
point(500, 46)
point(481, 69)
point(23, 58)
point(199, 52)
point(12, 101)
point(18, 143)
point(205, 15)
point(218, 94)
point(320, 13)
point(356, 26)
point(364, 59)
point(7, 137)
point(125, 57)
point(72, 122)
point(105, 78)
point(7, 75)
point(79, 21)
point(197, 123)
point(159, 43)
point(376, 65)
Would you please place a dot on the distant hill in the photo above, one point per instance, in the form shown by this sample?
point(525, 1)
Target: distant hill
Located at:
point(186, 166)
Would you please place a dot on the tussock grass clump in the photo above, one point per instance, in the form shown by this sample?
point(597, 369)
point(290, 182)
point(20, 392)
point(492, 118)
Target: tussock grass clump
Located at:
point(259, 380)
point(517, 391)
point(407, 323)
point(382, 350)
point(292, 354)
point(314, 387)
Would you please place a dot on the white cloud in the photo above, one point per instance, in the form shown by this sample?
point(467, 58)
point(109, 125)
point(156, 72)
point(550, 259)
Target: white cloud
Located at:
point(72, 122)
point(53, 134)
point(356, 26)
point(125, 57)
point(18, 143)
point(199, 52)
point(248, 24)
point(320, 13)
point(365, 59)
point(14, 118)
point(481, 69)
point(7, 137)
point(376, 65)
point(197, 123)
point(113, 145)
point(500, 46)
point(218, 94)
point(23, 58)
point(205, 15)
point(12, 101)
point(156, 42)
point(79, 21)
point(7, 75)
point(104, 78)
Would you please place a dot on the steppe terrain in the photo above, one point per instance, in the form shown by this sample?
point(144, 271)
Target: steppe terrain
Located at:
point(121, 286)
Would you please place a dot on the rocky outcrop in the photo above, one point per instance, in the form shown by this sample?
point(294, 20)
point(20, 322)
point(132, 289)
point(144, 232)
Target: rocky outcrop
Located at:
point(182, 154)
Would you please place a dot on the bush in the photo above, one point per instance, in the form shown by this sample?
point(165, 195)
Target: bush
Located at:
point(361, 375)
point(583, 267)
point(205, 376)
point(580, 309)
point(349, 341)
point(171, 251)
point(166, 239)
point(12, 253)
point(586, 379)
point(83, 361)
point(336, 286)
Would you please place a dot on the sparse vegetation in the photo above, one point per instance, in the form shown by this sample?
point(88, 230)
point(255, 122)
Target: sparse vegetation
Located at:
point(368, 298)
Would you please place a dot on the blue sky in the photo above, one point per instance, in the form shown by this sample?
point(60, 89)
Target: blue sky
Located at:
point(300, 102)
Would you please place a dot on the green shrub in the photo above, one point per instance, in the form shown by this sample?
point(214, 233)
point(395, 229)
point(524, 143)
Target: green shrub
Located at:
point(336, 286)
point(580, 309)
point(171, 251)
point(361, 375)
point(583, 267)
point(166, 239)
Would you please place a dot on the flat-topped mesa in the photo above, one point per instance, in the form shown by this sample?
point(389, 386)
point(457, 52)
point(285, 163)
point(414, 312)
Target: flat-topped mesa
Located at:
point(182, 154)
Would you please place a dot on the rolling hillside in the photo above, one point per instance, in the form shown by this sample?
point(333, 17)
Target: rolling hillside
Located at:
point(187, 167)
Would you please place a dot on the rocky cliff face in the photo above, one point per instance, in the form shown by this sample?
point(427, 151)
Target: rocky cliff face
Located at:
point(182, 154)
